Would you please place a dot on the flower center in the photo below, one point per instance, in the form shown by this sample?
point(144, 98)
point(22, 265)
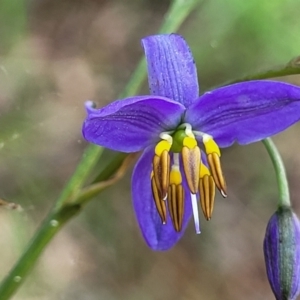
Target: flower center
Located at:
point(179, 147)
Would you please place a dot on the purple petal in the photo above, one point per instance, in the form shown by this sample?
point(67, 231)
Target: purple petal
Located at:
point(171, 68)
point(246, 112)
point(157, 235)
point(131, 124)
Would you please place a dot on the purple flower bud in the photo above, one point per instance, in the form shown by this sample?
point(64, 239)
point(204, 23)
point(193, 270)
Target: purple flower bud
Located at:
point(282, 254)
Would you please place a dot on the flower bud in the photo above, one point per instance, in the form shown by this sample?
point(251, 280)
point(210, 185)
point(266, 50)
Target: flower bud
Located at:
point(282, 254)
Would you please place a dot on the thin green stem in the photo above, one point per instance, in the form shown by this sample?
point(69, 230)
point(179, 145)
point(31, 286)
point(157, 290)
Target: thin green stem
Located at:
point(284, 194)
point(66, 207)
point(111, 167)
point(83, 170)
point(52, 224)
point(291, 68)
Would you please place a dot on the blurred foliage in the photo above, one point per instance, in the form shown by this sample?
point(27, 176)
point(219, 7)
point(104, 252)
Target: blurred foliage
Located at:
point(13, 22)
point(56, 54)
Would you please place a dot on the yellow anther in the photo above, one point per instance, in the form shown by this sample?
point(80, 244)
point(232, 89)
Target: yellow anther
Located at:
point(176, 205)
point(207, 195)
point(162, 146)
point(204, 170)
point(159, 203)
point(161, 172)
point(191, 159)
point(175, 176)
point(189, 142)
point(210, 145)
point(216, 171)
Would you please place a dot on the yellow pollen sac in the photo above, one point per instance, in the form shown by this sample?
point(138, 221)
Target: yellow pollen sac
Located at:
point(175, 176)
point(217, 173)
point(191, 159)
point(176, 205)
point(159, 203)
point(207, 189)
point(162, 146)
point(189, 142)
point(204, 170)
point(161, 172)
point(210, 145)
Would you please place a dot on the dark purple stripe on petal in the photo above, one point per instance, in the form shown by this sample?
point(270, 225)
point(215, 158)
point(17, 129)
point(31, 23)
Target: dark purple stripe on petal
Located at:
point(171, 68)
point(158, 236)
point(246, 112)
point(131, 124)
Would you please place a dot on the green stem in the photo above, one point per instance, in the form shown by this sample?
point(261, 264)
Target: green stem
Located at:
point(291, 68)
point(64, 210)
point(53, 223)
point(112, 166)
point(83, 170)
point(284, 194)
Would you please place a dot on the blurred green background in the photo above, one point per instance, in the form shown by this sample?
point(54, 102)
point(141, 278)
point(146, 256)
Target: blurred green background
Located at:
point(55, 54)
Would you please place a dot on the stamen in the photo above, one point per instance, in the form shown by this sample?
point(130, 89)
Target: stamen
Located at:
point(176, 195)
point(191, 157)
point(162, 146)
point(175, 175)
point(210, 145)
point(216, 170)
point(160, 204)
point(213, 157)
point(176, 205)
point(167, 137)
point(195, 213)
point(161, 166)
point(165, 172)
point(188, 129)
point(207, 195)
point(199, 133)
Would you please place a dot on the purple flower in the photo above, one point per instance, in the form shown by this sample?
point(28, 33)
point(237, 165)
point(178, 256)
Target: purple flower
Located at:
point(282, 254)
point(172, 122)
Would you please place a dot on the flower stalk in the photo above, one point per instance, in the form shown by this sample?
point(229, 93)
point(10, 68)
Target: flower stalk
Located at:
point(291, 68)
point(284, 194)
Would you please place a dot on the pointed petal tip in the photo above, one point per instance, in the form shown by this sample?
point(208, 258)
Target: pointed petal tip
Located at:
point(89, 106)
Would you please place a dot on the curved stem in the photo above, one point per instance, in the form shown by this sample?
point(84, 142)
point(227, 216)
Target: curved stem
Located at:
point(284, 194)
point(291, 68)
point(66, 206)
